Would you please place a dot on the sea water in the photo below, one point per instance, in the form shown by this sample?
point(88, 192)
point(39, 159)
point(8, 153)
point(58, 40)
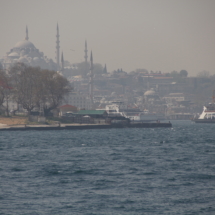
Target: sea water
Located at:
point(109, 171)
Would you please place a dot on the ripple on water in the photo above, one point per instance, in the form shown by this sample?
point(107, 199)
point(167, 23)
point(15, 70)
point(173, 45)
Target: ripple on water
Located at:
point(112, 171)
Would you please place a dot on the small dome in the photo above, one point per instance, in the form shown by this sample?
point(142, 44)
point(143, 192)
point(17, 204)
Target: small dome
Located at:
point(13, 54)
point(36, 59)
point(24, 44)
point(149, 93)
point(23, 60)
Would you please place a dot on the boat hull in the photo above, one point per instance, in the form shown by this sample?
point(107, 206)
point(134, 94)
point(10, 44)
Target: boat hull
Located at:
point(204, 120)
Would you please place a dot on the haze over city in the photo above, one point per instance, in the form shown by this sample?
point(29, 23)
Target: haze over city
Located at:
point(158, 35)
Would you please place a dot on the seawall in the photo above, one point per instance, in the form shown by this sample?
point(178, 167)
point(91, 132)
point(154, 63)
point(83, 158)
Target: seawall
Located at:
point(85, 126)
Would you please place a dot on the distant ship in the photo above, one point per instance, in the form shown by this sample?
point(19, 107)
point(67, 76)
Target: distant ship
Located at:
point(118, 108)
point(207, 115)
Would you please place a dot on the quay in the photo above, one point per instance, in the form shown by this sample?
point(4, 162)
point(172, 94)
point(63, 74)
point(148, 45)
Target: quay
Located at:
point(85, 126)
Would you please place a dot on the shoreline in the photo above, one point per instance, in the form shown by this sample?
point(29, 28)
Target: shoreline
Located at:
point(84, 126)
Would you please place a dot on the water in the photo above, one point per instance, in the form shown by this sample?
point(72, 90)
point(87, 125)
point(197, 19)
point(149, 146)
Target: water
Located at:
point(113, 171)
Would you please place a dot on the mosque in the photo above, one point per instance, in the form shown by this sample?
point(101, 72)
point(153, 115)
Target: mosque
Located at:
point(24, 51)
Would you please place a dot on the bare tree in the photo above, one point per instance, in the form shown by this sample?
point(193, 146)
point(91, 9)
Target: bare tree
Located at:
point(33, 87)
point(15, 73)
point(53, 89)
point(5, 91)
point(25, 81)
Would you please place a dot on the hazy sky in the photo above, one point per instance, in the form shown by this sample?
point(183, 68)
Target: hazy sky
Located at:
point(158, 35)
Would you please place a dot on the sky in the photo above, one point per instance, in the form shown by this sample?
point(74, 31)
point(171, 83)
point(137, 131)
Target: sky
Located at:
point(157, 35)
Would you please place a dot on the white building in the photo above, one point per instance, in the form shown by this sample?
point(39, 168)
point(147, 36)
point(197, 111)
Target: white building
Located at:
point(174, 97)
point(78, 100)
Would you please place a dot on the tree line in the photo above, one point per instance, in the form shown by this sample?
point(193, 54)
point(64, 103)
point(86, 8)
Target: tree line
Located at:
point(32, 87)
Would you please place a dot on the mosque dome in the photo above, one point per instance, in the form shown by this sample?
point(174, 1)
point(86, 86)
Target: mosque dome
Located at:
point(13, 54)
point(24, 51)
point(149, 93)
point(24, 44)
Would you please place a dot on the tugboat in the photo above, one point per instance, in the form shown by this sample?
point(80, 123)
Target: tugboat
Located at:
point(208, 113)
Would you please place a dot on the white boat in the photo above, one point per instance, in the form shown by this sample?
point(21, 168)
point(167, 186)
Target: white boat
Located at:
point(134, 114)
point(207, 115)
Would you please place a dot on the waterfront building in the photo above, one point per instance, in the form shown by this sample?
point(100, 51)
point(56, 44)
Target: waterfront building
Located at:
point(78, 100)
point(67, 108)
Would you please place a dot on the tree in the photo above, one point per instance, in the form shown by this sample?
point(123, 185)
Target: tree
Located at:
point(183, 73)
point(5, 91)
point(26, 82)
point(33, 87)
point(119, 72)
point(83, 68)
point(15, 74)
point(144, 71)
point(53, 88)
point(2, 78)
point(174, 74)
point(98, 68)
point(204, 74)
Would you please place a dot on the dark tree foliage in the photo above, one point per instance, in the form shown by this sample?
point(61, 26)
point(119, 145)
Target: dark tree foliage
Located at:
point(33, 87)
point(183, 73)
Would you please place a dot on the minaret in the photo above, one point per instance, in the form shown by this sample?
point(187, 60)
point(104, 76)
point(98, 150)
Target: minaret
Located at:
point(58, 49)
point(26, 37)
point(91, 79)
point(105, 69)
point(85, 51)
point(85, 57)
point(62, 62)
